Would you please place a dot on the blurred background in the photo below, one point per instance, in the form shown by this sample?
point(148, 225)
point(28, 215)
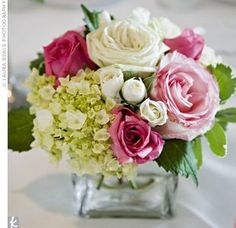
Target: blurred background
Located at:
point(33, 25)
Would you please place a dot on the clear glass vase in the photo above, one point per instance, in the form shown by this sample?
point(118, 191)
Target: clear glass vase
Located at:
point(154, 196)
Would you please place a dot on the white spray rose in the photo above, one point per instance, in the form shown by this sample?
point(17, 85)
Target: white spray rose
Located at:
point(209, 57)
point(164, 27)
point(133, 91)
point(125, 42)
point(154, 112)
point(111, 80)
point(104, 18)
point(44, 119)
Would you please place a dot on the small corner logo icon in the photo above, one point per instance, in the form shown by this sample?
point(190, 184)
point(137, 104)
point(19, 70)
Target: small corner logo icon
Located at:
point(13, 222)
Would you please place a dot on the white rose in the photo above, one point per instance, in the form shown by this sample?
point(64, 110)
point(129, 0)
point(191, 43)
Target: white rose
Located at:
point(141, 15)
point(209, 57)
point(133, 91)
point(154, 112)
point(104, 18)
point(125, 42)
point(164, 27)
point(111, 80)
point(44, 119)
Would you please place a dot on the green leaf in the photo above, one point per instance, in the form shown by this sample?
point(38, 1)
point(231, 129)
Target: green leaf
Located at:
point(148, 82)
point(38, 63)
point(227, 115)
point(136, 74)
point(178, 157)
point(197, 149)
point(20, 125)
point(91, 18)
point(130, 74)
point(223, 124)
point(217, 140)
point(226, 82)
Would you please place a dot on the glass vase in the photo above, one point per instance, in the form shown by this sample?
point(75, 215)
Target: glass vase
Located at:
point(153, 197)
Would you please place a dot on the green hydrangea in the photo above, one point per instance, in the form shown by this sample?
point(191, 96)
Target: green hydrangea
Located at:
point(73, 120)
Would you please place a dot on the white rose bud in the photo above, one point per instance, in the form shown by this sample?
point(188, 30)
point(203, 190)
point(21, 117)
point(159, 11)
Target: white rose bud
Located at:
point(133, 91)
point(104, 18)
point(154, 112)
point(111, 80)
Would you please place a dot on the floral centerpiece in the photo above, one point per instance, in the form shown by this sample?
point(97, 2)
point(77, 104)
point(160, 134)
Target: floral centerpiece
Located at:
point(115, 94)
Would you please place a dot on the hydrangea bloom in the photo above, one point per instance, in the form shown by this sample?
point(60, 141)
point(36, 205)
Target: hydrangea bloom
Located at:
point(76, 119)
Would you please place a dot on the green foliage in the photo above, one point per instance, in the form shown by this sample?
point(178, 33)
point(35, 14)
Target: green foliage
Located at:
point(226, 80)
point(130, 74)
point(178, 158)
point(20, 125)
point(217, 140)
point(197, 149)
point(91, 18)
point(223, 124)
point(38, 63)
point(227, 115)
point(136, 74)
point(148, 82)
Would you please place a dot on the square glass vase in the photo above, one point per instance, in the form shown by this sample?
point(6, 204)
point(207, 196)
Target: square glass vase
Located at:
point(154, 197)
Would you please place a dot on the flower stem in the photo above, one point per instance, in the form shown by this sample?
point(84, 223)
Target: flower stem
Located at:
point(100, 182)
point(133, 184)
point(120, 180)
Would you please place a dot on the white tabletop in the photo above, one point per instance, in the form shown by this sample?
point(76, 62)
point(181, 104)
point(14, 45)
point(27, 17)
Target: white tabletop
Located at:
point(40, 193)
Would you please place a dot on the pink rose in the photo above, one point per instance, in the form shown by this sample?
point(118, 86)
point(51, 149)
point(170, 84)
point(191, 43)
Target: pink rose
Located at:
point(188, 43)
point(66, 55)
point(133, 140)
point(191, 96)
